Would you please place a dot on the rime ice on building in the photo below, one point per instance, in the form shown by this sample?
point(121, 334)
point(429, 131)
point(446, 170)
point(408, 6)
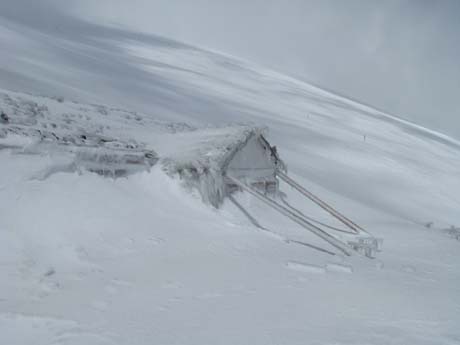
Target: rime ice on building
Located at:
point(220, 161)
point(206, 158)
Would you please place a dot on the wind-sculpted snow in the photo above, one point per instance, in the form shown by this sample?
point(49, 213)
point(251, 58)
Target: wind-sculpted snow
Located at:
point(94, 137)
point(105, 140)
point(140, 260)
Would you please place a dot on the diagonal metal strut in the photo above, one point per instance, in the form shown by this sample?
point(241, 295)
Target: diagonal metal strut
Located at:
point(343, 247)
point(349, 223)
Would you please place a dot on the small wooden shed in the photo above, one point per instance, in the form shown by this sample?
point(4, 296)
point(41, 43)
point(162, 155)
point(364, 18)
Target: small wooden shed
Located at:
point(207, 157)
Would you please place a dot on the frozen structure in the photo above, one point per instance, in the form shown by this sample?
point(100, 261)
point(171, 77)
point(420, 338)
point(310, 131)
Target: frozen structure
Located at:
point(79, 137)
point(220, 161)
point(100, 154)
point(206, 158)
point(216, 161)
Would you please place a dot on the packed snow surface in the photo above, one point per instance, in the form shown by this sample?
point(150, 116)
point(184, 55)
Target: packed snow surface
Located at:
point(87, 259)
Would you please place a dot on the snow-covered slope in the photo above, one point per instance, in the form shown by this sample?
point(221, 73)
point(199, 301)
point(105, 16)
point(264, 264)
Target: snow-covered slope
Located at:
point(140, 260)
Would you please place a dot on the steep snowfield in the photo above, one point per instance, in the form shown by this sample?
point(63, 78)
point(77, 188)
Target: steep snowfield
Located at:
point(140, 260)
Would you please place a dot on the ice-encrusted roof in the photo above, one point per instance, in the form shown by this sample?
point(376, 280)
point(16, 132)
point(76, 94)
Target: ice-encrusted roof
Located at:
point(208, 149)
point(200, 157)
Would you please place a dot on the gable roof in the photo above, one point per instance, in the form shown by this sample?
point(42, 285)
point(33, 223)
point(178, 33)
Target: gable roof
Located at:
point(208, 149)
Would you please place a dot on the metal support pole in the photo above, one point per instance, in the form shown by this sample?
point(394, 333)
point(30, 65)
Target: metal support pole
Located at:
point(343, 247)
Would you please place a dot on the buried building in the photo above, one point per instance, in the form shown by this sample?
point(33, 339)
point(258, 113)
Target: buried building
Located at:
point(217, 161)
point(208, 159)
point(220, 161)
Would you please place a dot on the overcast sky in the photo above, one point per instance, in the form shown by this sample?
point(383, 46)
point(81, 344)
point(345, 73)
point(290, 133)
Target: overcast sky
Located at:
point(402, 56)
